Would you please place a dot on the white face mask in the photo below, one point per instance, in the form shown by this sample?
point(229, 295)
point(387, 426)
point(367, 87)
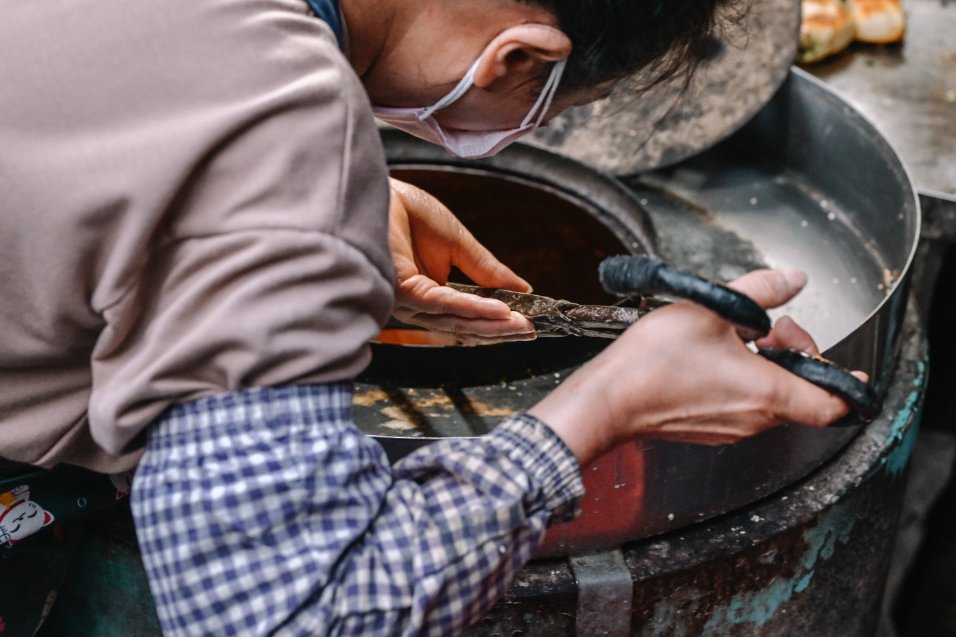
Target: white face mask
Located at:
point(421, 122)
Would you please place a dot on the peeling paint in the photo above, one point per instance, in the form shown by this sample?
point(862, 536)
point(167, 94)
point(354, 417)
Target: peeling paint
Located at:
point(803, 582)
point(758, 607)
point(667, 620)
point(902, 439)
point(897, 460)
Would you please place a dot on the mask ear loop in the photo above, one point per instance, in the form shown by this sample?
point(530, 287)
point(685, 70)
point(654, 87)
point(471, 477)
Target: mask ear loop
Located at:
point(545, 98)
point(463, 86)
point(547, 94)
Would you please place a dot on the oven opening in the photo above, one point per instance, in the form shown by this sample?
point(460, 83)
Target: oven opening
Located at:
point(551, 239)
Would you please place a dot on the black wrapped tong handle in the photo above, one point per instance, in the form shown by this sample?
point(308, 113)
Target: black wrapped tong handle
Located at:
point(643, 275)
point(630, 275)
point(860, 396)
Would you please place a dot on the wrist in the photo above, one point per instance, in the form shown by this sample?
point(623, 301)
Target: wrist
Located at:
point(580, 417)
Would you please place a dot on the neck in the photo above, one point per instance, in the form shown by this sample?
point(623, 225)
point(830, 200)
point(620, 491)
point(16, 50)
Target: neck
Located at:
point(367, 27)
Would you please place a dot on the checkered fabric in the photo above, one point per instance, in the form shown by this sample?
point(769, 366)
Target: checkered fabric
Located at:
point(266, 512)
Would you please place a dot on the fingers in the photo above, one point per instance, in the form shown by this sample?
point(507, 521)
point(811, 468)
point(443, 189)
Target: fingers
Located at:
point(473, 329)
point(420, 301)
point(803, 402)
point(770, 288)
point(786, 334)
point(420, 294)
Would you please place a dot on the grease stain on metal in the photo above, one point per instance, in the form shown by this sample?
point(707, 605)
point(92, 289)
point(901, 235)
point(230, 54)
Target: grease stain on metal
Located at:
point(398, 420)
point(369, 397)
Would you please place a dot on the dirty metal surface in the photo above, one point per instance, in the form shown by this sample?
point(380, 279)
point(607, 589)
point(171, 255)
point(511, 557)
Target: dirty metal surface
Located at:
point(908, 90)
point(633, 131)
point(748, 217)
point(807, 184)
point(809, 560)
point(771, 194)
point(604, 594)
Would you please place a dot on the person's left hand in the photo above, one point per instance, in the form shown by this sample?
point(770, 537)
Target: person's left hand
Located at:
point(426, 240)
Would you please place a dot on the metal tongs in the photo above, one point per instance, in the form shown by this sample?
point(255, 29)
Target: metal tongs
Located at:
point(557, 317)
point(646, 283)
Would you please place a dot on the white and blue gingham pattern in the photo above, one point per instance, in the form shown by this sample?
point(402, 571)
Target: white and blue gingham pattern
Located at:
point(266, 512)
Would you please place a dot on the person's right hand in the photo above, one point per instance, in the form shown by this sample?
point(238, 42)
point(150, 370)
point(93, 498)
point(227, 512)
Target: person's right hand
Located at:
point(682, 373)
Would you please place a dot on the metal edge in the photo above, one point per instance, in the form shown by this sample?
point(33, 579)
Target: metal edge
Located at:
point(899, 286)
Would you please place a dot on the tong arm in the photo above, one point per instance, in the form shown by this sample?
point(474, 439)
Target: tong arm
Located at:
point(557, 317)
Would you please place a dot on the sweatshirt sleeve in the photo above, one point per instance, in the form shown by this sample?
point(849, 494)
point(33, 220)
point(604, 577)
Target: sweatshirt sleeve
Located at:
point(267, 262)
point(268, 512)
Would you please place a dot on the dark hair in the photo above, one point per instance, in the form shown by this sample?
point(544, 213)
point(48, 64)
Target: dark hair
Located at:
point(614, 39)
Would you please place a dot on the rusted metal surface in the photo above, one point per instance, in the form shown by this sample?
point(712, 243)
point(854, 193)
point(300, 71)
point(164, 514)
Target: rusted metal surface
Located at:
point(541, 602)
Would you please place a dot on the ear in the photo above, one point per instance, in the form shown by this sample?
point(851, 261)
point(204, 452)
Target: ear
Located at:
point(519, 49)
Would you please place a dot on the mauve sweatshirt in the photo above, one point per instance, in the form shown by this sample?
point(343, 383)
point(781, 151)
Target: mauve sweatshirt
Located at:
point(193, 200)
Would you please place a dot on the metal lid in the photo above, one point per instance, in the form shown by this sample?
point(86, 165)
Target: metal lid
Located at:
point(628, 133)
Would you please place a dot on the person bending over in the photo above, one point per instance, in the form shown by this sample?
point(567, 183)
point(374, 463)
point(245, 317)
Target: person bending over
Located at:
point(198, 239)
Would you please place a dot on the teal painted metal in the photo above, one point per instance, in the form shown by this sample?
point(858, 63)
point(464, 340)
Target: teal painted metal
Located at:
point(897, 460)
point(758, 607)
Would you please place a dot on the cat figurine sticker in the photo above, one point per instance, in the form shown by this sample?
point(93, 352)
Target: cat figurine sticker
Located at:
point(20, 517)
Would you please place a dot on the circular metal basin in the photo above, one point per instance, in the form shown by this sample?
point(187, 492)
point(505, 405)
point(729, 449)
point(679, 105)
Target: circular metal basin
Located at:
point(808, 183)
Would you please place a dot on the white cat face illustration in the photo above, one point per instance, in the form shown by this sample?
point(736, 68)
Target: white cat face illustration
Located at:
point(22, 519)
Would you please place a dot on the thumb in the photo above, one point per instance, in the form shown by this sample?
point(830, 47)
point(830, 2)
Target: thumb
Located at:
point(770, 288)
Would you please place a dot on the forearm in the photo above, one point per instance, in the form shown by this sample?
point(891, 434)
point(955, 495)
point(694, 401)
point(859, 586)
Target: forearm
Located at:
point(281, 499)
point(578, 413)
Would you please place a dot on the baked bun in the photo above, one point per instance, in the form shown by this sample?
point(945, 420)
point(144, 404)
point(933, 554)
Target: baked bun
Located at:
point(878, 21)
point(826, 28)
